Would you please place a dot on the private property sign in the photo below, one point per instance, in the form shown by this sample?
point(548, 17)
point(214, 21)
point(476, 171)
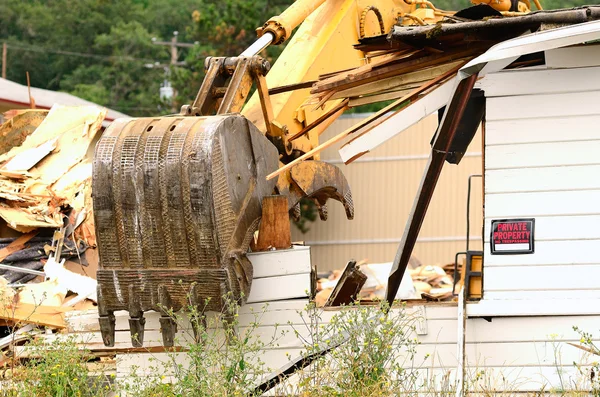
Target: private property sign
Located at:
point(512, 236)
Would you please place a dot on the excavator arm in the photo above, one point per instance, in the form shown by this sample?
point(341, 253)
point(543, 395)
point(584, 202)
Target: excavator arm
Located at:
point(178, 199)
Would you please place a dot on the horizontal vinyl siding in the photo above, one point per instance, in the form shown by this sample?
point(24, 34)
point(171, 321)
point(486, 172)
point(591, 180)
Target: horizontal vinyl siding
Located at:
point(526, 352)
point(541, 161)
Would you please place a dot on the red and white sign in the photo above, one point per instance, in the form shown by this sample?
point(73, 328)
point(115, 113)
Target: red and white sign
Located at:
point(512, 236)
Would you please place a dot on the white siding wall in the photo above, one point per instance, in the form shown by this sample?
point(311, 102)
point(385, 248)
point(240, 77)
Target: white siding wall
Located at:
point(542, 158)
point(514, 354)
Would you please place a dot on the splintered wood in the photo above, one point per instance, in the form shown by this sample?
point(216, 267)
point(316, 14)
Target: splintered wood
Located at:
point(48, 170)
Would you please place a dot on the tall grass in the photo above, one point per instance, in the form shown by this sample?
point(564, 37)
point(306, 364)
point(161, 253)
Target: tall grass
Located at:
point(378, 357)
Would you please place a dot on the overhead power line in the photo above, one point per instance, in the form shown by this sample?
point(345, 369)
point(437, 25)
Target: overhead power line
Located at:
point(79, 54)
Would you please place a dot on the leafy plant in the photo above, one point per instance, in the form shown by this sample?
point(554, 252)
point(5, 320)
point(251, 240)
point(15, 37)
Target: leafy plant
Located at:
point(223, 358)
point(376, 353)
point(592, 373)
point(58, 369)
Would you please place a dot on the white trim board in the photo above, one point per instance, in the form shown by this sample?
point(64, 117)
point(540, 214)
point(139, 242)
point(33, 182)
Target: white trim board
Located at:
point(542, 130)
point(545, 307)
point(295, 260)
point(536, 81)
point(539, 106)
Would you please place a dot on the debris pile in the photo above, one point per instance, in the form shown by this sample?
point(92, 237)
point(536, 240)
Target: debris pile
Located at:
point(47, 238)
point(427, 282)
point(47, 173)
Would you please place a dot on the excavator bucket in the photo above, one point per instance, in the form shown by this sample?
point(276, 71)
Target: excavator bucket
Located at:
point(176, 202)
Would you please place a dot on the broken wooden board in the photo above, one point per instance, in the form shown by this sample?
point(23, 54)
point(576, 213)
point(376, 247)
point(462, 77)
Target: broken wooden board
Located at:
point(349, 285)
point(48, 316)
point(74, 139)
point(25, 221)
point(403, 81)
point(25, 160)
point(47, 171)
point(78, 123)
point(18, 125)
point(274, 231)
point(16, 245)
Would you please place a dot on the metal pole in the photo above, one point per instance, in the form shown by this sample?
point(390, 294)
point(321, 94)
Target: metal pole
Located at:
point(263, 42)
point(174, 48)
point(21, 270)
point(4, 60)
point(469, 208)
point(433, 169)
point(462, 333)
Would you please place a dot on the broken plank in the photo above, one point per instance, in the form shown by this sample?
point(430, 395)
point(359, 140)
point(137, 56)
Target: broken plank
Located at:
point(27, 159)
point(48, 316)
point(354, 72)
point(348, 286)
point(379, 86)
point(274, 231)
point(291, 87)
point(98, 350)
point(365, 100)
point(24, 221)
point(410, 97)
point(16, 245)
point(398, 69)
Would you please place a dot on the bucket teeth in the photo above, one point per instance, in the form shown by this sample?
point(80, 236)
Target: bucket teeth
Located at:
point(107, 329)
point(168, 326)
point(136, 327)
point(107, 320)
point(136, 317)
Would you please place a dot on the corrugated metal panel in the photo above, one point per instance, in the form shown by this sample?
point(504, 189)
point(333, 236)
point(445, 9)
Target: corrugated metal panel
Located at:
point(384, 184)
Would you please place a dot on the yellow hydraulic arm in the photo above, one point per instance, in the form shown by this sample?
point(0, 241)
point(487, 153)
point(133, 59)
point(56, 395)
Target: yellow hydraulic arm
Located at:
point(323, 44)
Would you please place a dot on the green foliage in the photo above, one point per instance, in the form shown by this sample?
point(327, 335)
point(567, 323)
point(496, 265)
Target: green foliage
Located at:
point(591, 372)
point(101, 50)
point(376, 355)
point(59, 370)
point(308, 214)
point(224, 360)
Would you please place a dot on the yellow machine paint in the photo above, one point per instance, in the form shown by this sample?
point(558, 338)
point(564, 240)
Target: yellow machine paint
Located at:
point(322, 44)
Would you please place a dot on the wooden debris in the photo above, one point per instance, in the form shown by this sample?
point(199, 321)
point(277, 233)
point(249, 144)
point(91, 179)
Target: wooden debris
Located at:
point(17, 126)
point(47, 171)
point(369, 122)
point(25, 160)
point(274, 229)
point(16, 245)
point(348, 286)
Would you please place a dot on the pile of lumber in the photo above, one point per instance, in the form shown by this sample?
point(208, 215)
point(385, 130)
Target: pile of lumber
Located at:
point(48, 171)
point(403, 76)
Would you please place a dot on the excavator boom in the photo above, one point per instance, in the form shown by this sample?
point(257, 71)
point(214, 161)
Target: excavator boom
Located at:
point(178, 199)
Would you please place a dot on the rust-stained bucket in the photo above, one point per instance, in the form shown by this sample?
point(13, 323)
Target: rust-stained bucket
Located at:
point(176, 202)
